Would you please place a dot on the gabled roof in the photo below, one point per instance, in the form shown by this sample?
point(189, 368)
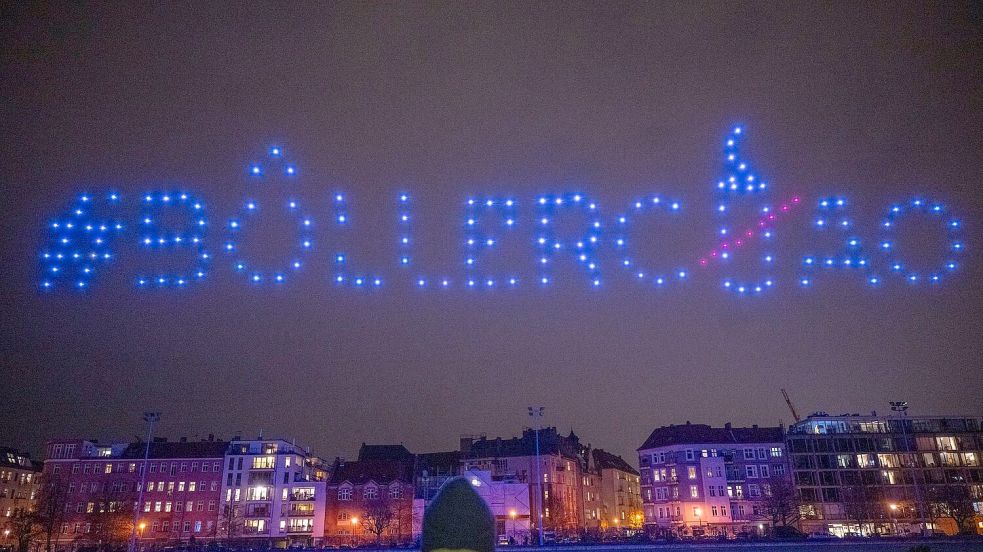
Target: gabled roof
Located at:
point(384, 452)
point(363, 471)
point(704, 434)
point(438, 463)
point(13, 458)
point(606, 460)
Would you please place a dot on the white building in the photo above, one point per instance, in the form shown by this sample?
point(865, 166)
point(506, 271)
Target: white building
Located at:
point(507, 499)
point(273, 489)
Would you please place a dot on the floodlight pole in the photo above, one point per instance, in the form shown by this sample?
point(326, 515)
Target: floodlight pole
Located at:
point(151, 418)
point(536, 413)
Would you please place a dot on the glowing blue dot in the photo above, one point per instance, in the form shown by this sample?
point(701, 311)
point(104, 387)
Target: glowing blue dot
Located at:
point(342, 218)
point(254, 170)
point(640, 275)
point(339, 197)
point(509, 222)
point(444, 283)
point(296, 264)
point(377, 282)
point(660, 280)
point(804, 281)
point(404, 218)
point(769, 258)
point(274, 151)
point(339, 278)
point(404, 197)
point(682, 273)
point(358, 281)
point(512, 281)
point(544, 280)
point(291, 170)
point(470, 283)
point(404, 260)
point(490, 283)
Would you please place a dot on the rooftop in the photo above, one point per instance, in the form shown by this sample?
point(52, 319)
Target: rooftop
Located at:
point(693, 434)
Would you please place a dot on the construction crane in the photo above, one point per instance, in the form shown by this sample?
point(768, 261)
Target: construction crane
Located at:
point(788, 401)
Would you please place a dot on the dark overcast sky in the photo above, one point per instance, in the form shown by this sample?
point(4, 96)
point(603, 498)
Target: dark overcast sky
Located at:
point(874, 101)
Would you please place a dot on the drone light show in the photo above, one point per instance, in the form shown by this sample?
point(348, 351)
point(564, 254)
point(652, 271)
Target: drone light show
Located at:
point(87, 239)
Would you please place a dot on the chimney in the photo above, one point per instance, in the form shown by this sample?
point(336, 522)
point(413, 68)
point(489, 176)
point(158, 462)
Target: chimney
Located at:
point(184, 439)
point(466, 442)
point(754, 426)
point(211, 436)
point(727, 426)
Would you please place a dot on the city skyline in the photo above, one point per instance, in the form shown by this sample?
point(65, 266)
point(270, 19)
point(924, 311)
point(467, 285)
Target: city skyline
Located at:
point(878, 105)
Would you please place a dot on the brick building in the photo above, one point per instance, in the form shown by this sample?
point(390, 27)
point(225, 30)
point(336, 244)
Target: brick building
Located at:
point(371, 498)
point(702, 480)
point(101, 484)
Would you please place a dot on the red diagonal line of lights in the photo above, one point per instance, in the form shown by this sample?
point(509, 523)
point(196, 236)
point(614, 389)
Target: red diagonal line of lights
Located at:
point(766, 223)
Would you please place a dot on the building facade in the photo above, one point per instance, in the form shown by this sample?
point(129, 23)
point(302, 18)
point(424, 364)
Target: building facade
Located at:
point(273, 491)
point(619, 492)
point(370, 500)
point(887, 474)
point(561, 469)
point(702, 480)
point(99, 485)
point(18, 482)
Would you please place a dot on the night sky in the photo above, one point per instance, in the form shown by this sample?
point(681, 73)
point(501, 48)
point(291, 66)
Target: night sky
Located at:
point(872, 102)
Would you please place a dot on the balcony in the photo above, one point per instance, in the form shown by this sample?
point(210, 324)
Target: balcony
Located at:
point(301, 497)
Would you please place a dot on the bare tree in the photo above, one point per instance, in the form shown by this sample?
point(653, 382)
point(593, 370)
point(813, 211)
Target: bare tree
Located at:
point(856, 502)
point(230, 523)
point(110, 520)
point(52, 497)
point(24, 527)
point(955, 502)
point(781, 503)
point(379, 515)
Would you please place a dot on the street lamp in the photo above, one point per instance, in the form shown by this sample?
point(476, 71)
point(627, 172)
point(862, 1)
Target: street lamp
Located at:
point(894, 520)
point(901, 407)
point(512, 516)
point(354, 530)
point(699, 517)
point(151, 418)
point(536, 413)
